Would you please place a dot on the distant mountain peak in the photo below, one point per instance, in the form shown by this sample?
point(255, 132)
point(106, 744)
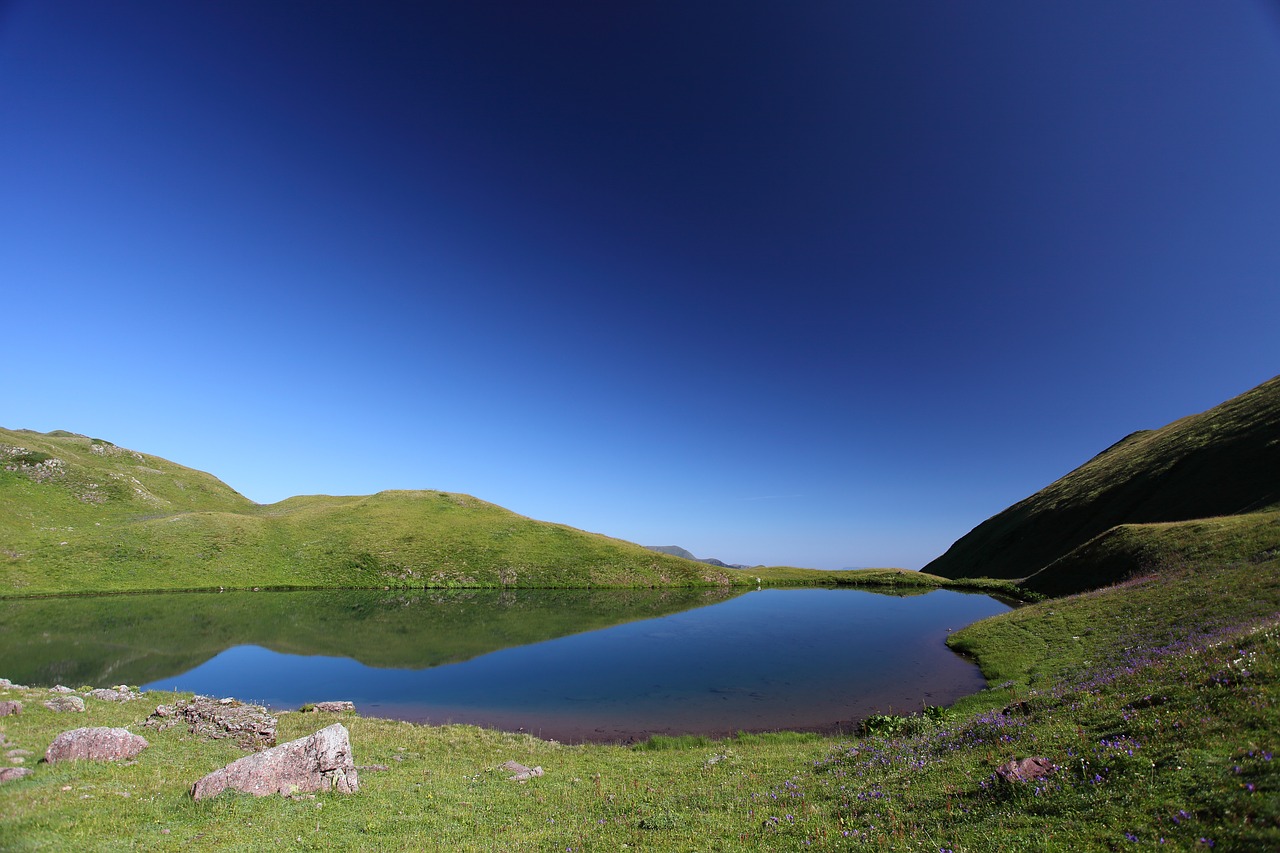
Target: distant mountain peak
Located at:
point(677, 551)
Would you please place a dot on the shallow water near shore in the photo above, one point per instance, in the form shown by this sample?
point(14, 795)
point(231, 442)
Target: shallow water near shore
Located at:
point(571, 665)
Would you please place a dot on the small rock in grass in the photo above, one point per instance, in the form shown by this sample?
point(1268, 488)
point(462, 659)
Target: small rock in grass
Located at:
point(9, 707)
point(95, 744)
point(60, 688)
point(113, 694)
point(8, 774)
point(65, 703)
point(519, 771)
point(1025, 769)
point(332, 707)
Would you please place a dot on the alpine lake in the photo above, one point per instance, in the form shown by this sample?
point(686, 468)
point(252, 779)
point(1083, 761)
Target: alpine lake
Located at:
point(609, 665)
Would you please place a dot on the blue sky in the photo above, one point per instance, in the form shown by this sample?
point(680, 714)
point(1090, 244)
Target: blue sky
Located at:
point(820, 284)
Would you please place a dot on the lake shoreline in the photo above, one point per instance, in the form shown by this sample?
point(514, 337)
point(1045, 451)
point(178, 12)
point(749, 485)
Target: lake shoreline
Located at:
point(775, 577)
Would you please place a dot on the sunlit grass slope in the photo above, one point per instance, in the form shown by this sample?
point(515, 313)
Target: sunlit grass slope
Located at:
point(80, 514)
point(1223, 462)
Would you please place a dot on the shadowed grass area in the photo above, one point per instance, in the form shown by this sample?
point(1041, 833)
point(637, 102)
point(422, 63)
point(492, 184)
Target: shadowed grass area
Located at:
point(1133, 550)
point(1222, 462)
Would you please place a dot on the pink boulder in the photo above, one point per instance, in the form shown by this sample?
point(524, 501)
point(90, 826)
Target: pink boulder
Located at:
point(95, 744)
point(318, 762)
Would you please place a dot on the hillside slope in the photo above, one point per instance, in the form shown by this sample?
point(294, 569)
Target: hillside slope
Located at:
point(80, 514)
point(1223, 462)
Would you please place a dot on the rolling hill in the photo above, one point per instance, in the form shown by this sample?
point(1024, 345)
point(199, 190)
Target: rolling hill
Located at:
point(81, 514)
point(1203, 487)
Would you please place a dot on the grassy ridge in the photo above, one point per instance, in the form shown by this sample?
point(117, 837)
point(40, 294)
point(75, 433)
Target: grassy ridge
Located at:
point(1225, 461)
point(79, 514)
point(82, 515)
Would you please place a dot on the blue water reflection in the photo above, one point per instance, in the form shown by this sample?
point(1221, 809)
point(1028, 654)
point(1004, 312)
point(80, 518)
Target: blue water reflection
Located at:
point(806, 659)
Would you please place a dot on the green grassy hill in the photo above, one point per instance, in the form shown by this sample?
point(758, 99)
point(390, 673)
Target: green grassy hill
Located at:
point(1109, 518)
point(80, 514)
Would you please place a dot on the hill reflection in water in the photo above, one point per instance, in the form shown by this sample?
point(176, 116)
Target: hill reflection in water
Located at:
point(567, 664)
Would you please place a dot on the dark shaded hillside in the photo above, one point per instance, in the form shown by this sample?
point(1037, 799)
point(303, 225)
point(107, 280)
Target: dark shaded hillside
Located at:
point(1225, 461)
point(1128, 550)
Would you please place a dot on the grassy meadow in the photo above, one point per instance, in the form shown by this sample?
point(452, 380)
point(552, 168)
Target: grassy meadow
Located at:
point(1157, 701)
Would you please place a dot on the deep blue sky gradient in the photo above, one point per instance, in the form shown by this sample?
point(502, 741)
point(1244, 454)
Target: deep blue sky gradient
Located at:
point(820, 283)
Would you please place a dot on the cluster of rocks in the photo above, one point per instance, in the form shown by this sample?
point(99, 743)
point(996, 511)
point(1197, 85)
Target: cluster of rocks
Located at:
point(250, 726)
point(317, 762)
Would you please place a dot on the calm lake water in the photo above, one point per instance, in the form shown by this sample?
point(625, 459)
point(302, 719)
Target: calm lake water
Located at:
point(566, 664)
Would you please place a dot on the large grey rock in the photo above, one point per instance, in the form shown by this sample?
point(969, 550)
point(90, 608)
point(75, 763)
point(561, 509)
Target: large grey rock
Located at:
point(114, 694)
point(250, 726)
point(65, 703)
point(95, 744)
point(10, 706)
point(318, 762)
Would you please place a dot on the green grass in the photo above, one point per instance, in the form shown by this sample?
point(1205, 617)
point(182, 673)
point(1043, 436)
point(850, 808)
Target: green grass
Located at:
point(1159, 701)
